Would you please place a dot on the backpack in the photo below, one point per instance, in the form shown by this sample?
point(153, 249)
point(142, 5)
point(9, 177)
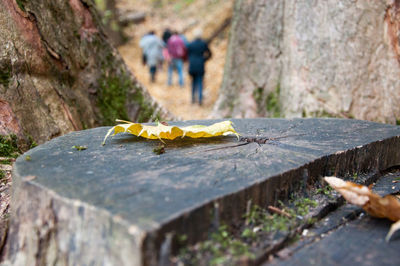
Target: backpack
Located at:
point(166, 55)
point(176, 47)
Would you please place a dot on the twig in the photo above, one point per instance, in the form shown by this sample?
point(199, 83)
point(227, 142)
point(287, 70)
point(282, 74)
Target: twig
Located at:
point(248, 209)
point(6, 167)
point(7, 159)
point(279, 211)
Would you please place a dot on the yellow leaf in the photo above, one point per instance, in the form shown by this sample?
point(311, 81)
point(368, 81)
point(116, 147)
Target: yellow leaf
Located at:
point(171, 132)
point(375, 205)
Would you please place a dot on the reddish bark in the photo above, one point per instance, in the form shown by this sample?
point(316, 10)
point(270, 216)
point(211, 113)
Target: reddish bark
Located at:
point(8, 121)
point(392, 19)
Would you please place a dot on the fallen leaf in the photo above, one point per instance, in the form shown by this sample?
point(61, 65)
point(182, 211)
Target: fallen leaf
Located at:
point(375, 205)
point(393, 229)
point(162, 131)
point(353, 193)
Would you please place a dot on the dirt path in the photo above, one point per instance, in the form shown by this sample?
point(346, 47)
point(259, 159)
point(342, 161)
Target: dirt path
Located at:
point(178, 100)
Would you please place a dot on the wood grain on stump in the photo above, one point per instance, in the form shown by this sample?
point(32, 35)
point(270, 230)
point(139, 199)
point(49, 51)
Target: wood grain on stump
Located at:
point(115, 204)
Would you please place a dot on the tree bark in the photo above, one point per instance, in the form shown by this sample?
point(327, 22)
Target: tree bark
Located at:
point(253, 64)
point(313, 58)
point(58, 72)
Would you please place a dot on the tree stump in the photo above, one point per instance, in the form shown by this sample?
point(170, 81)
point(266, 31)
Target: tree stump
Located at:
point(122, 204)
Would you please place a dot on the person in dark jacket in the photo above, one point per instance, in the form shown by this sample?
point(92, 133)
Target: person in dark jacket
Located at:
point(198, 54)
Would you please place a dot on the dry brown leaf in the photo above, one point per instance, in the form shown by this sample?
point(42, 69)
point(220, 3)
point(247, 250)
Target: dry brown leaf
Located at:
point(375, 205)
point(393, 229)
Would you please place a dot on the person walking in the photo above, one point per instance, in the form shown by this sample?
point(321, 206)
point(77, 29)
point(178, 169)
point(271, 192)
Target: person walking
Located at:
point(152, 47)
point(177, 51)
point(142, 40)
point(198, 54)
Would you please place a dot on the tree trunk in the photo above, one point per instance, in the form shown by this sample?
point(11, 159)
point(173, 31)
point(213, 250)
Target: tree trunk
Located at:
point(111, 21)
point(58, 72)
point(313, 58)
point(252, 67)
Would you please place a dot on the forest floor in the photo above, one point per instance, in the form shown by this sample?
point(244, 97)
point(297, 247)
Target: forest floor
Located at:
point(183, 16)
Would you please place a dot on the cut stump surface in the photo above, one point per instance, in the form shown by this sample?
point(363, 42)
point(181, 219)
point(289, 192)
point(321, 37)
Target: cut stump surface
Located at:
point(115, 204)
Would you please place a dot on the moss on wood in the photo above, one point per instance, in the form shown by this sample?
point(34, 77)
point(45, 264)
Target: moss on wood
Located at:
point(227, 245)
point(323, 113)
point(112, 98)
point(258, 97)
point(9, 146)
point(269, 104)
point(272, 102)
point(21, 4)
point(5, 76)
point(146, 111)
point(115, 93)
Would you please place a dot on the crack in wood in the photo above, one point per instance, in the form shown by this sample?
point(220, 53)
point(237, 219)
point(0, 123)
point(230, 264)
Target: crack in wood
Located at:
point(251, 139)
point(49, 49)
point(264, 140)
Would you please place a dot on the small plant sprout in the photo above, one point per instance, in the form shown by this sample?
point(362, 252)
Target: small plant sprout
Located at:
point(79, 148)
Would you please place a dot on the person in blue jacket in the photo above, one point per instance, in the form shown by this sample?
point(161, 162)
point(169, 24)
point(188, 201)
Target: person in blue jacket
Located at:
point(198, 54)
